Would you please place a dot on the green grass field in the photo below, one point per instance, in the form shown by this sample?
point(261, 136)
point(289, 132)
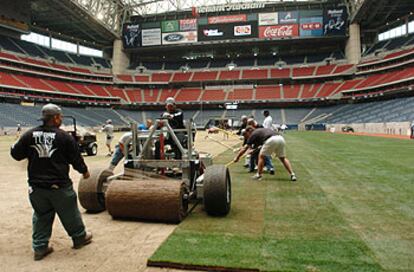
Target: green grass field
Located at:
point(352, 209)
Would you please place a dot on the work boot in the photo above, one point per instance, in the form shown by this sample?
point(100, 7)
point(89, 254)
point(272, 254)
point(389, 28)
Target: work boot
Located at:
point(80, 242)
point(293, 177)
point(40, 254)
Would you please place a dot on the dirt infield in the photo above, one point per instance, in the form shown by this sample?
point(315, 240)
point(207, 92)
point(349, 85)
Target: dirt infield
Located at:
point(404, 137)
point(117, 245)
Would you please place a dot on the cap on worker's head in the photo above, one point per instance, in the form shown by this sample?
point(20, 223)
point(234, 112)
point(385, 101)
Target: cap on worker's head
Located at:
point(142, 127)
point(170, 101)
point(251, 121)
point(109, 121)
point(266, 112)
point(50, 110)
point(247, 130)
point(243, 117)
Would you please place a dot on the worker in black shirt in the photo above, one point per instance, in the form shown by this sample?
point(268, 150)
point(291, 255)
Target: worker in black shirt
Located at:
point(243, 124)
point(271, 143)
point(175, 118)
point(50, 151)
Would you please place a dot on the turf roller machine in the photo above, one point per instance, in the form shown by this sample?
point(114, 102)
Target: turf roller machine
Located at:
point(160, 190)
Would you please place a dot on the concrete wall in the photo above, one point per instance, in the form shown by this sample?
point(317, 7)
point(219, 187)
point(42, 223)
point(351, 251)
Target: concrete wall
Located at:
point(392, 128)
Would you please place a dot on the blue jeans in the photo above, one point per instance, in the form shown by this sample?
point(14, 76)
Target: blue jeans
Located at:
point(268, 163)
point(117, 157)
point(255, 158)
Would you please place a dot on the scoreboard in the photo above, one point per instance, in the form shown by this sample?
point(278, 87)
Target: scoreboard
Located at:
point(247, 26)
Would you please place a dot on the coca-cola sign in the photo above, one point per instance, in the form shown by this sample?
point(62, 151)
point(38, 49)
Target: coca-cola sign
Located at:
point(278, 31)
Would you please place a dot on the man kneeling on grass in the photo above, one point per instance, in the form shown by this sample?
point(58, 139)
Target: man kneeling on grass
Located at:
point(271, 143)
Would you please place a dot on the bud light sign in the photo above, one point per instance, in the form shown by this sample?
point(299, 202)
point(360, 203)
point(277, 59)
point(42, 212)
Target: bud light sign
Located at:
point(278, 31)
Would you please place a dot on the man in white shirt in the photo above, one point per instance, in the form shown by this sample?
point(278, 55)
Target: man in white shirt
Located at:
point(267, 123)
point(109, 131)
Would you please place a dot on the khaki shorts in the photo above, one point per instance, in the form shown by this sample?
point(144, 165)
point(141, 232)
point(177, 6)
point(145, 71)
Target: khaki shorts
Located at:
point(109, 139)
point(275, 144)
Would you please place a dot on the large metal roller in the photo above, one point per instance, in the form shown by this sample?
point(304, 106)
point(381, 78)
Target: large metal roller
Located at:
point(152, 199)
point(91, 190)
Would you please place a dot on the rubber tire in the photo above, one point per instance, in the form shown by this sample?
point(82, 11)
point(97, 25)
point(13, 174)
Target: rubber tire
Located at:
point(217, 190)
point(92, 151)
point(90, 191)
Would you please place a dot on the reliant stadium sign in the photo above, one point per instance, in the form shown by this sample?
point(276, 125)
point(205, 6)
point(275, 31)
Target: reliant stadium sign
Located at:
point(230, 7)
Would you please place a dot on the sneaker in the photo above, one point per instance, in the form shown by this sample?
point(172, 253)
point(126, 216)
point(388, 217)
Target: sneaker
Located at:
point(257, 177)
point(246, 166)
point(272, 171)
point(40, 254)
point(293, 177)
point(80, 242)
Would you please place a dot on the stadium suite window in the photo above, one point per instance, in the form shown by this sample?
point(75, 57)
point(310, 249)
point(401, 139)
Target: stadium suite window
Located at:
point(61, 45)
point(396, 32)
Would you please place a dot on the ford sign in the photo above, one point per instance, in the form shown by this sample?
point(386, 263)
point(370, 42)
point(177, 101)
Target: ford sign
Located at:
point(173, 37)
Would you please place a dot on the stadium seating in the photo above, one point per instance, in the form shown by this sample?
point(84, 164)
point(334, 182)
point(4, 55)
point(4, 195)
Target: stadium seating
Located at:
point(268, 92)
point(394, 110)
point(391, 44)
point(186, 95)
point(133, 95)
point(205, 76)
point(291, 91)
point(213, 95)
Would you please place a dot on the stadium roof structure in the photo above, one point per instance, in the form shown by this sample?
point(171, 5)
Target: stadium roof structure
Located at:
point(68, 20)
point(378, 15)
point(152, 7)
point(97, 23)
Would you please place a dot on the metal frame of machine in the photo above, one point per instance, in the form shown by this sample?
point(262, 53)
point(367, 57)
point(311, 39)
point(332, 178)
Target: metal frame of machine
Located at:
point(127, 194)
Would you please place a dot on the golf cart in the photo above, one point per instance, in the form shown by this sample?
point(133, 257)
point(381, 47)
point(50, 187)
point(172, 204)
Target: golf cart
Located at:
point(86, 140)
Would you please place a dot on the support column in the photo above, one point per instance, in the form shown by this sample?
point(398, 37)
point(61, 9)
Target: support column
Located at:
point(120, 60)
point(353, 45)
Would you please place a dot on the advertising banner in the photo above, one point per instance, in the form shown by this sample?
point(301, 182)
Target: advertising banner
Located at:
point(335, 21)
point(228, 31)
point(151, 37)
point(148, 25)
point(179, 37)
point(268, 18)
point(188, 24)
point(311, 13)
point(228, 7)
point(131, 35)
point(288, 17)
point(242, 31)
point(170, 26)
point(225, 19)
point(278, 31)
point(311, 26)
